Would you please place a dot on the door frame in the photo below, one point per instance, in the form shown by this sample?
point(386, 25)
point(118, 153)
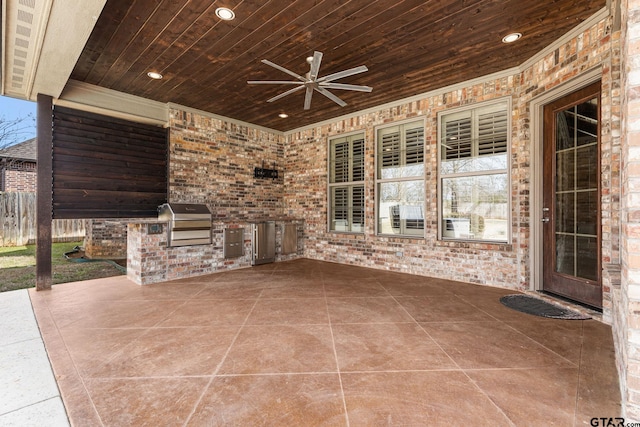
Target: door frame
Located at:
point(536, 108)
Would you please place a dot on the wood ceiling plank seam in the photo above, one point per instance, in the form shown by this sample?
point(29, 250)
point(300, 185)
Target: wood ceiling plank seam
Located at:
point(411, 33)
point(410, 22)
point(183, 69)
point(447, 66)
point(343, 39)
point(260, 74)
point(194, 27)
point(393, 57)
point(369, 77)
point(184, 47)
point(286, 57)
point(292, 56)
point(245, 53)
point(146, 36)
point(120, 37)
point(96, 42)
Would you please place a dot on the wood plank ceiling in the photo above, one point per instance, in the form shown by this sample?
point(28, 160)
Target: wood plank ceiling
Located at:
point(409, 46)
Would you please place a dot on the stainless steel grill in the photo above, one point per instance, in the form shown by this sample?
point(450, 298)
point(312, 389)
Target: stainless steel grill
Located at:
point(189, 224)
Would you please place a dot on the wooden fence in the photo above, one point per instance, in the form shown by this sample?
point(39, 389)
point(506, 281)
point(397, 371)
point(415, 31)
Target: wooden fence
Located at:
point(18, 222)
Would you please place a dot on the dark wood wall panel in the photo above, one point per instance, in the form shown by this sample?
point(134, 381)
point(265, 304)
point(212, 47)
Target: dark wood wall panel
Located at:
point(107, 168)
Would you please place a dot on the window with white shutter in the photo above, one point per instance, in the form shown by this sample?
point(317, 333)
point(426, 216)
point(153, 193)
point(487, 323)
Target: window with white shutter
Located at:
point(400, 179)
point(346, 184)
point(474, 181)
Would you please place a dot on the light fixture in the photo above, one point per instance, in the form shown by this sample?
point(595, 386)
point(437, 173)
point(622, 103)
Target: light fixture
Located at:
point(283, 115)
point(154, 75)
point(225, 13)
point(510, 38)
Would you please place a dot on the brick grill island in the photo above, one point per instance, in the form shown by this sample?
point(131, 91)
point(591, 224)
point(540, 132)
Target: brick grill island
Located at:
point(151, 260)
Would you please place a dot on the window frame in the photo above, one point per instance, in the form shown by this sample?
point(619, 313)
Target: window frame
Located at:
point(378, 180)
point(474, 109)
point(350, 136)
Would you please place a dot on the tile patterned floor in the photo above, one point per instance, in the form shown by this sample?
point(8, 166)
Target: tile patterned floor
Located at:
point(307, 343)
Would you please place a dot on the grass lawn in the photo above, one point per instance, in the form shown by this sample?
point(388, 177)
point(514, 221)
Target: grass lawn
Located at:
point(18, 267)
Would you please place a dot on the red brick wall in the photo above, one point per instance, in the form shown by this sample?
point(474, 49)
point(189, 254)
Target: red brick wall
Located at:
point(106, 238)
point(212, 162)
point(18, 177)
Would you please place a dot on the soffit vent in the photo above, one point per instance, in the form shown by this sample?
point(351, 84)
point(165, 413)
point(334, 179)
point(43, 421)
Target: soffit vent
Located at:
point(20, 30)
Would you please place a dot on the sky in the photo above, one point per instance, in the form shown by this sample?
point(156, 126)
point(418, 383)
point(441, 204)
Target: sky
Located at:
point(11, 108)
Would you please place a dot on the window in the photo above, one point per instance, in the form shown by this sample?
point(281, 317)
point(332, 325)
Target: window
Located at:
point(346, 184)
point(400, 179)
point(474, 181)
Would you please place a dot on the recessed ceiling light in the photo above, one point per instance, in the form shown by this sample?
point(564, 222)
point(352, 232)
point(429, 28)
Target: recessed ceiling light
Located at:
point(225, 13)
point(283, 115)
point(154, 75)
point(510, 38)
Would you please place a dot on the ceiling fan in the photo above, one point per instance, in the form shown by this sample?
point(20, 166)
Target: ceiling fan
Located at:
point(312, 82)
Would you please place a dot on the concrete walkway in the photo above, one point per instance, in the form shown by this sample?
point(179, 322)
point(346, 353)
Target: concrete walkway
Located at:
point(29, 395)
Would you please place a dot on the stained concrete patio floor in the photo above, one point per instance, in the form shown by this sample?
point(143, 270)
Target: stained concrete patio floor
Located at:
point(309, 343)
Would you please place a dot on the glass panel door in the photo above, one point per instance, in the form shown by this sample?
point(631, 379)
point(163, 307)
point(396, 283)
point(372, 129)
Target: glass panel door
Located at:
point(571, 212)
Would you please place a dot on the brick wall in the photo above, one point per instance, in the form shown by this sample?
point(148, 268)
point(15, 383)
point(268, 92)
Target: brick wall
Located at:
point(212, 162)
point(505, 265)
point(106, 238)
point(627, 309)
point(306, 196)
point(18, 177)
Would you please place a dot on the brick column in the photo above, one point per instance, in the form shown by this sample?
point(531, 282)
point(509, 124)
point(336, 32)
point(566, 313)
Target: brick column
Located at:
point(627, 322)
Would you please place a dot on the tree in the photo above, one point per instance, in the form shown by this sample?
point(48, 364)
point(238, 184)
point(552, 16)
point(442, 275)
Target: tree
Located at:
point(15, 130)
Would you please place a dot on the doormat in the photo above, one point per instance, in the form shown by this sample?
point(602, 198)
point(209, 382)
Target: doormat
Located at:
point(537, 307)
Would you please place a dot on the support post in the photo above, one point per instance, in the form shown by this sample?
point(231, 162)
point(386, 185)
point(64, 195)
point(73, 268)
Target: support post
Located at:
point(44, 211)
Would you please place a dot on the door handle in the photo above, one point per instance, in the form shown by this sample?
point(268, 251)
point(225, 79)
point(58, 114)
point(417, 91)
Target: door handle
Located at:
point(545, 213)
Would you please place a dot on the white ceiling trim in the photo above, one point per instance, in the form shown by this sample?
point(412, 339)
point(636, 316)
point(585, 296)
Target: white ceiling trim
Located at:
point(96, 99)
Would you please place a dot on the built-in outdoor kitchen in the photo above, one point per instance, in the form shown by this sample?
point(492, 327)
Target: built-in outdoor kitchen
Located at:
point(225, 204)
point(165, 249)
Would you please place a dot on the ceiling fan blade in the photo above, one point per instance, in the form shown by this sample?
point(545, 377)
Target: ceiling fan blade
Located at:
point(331, 96)
point(307, 97)
point(357, 88)
point(283, 94)
point(315, 65)
point(273, 82)
point(345, 73)
point(284, 70)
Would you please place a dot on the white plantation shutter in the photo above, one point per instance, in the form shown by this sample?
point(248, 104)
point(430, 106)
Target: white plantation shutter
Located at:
point(390, 150)
point(357, 162)
point(341, 203)
point(492, 133)
point(400, 178)
point(474, 173)
point(414, 145)
point(358, 205)
point(474, 133)
point(346, 182)
point(341, 162)
point(457, 142)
